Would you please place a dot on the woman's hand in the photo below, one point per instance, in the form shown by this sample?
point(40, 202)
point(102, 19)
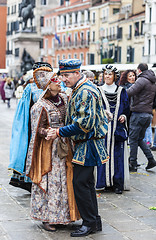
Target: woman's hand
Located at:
point(122, 118)
point(51, 134)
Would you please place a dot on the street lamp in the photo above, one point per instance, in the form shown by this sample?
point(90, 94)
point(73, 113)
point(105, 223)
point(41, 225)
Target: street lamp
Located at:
point(101, 46)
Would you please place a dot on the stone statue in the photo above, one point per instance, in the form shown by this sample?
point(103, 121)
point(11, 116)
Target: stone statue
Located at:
point(27, 62)
point(26, 12)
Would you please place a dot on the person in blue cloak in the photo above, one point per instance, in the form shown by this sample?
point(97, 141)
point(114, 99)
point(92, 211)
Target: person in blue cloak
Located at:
point(21, 132)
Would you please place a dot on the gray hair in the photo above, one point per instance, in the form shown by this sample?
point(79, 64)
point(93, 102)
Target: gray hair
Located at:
point(89, 74)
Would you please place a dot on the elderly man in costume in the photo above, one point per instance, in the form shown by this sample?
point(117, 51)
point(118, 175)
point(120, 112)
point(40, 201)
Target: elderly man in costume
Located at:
point(49, 162)
point(86, 124)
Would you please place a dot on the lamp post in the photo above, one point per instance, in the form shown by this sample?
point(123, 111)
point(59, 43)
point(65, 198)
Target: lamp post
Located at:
point(101, 46)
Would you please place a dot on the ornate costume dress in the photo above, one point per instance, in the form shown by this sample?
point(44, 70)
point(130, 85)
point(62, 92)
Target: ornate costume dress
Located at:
point(115, 173)
point(49, 164)
point(21, 135)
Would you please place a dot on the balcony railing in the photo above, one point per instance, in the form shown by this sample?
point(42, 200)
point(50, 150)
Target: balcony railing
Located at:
point(72, 44)
point(112, 37)
point(48, 30)
point(8, 52)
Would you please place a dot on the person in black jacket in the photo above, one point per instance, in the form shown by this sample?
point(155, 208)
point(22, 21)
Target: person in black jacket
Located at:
point(143, 91)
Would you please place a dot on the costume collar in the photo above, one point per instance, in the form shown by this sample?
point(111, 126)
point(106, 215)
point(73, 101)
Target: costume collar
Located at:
point(109, 88)
point(80, 82)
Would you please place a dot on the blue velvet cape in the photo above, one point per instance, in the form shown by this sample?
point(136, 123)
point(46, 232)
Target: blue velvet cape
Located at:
point(20, 128)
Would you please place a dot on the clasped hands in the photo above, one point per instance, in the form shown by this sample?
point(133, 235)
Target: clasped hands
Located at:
point(51, 133)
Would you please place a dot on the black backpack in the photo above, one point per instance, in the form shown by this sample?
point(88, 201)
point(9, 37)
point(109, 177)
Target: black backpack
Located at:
point(154, 102)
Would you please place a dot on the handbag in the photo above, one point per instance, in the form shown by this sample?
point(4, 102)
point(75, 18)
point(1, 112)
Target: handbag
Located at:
point(120, 133)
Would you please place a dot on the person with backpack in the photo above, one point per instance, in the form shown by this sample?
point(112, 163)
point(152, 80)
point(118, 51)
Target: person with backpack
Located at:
point(143, 92)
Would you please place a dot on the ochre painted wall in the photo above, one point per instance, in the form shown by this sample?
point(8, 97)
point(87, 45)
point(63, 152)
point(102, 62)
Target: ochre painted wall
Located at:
point(3, 18)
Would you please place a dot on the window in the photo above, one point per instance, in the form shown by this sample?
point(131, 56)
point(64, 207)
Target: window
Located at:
point(143, 51)
point(70, 19)
point(16, 52)
point(116, 10)
point(82, 17)
point(82, 38)
point(15, 9)
point(93, 21)
point(82, 57)
point(53, 43)
point(75, 55)
point(142, 25)
point(63, 40)
point(93, 36)
point(130, 32)
point(46, 23)
point(155, 46)
point(64, 20)
point(16, 26)
point(41, 44)
point(88, 15)
point(75, 39)
point(136, 28)
point(119, 33)
point(91, 58)
point(8, 10)
point(76, 17)
point(150, 14)
point(61, 2)
point(106, 32)
point(149, 46)
point(119, 52)
point(69, 39)
point(88, 38)
point(69, 56)
point(43, 2)
point(46, 43)
point(41, 21)
point(63, 56)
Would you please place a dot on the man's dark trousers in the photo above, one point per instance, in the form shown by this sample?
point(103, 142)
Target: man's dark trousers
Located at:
point(85, 194)
point(139, 122)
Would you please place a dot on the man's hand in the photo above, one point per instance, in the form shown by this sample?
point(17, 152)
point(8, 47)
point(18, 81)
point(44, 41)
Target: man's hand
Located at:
point(51, 134)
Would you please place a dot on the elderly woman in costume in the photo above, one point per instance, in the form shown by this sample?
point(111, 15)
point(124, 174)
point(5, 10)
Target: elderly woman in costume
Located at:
point(49, 161)
point(21, 133)
point(114, 174)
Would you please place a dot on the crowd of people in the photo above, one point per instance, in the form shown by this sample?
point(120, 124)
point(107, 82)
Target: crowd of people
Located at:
point(60, 135)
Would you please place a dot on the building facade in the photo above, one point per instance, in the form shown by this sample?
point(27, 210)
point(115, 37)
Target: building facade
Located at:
point(150, 32)
point(3, 18)
point(119, 36)
point(24, 41)
point(66, 32)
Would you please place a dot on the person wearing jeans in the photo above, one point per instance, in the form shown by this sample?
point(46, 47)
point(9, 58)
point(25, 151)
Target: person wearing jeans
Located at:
point(143, 92)
point(153, 148)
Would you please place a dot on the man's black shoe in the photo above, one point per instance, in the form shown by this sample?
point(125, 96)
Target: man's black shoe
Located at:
point(98, 224)
point(153, 148)
point(151, 163)
point(132, 168)
point(83, 231)
point(118, 191)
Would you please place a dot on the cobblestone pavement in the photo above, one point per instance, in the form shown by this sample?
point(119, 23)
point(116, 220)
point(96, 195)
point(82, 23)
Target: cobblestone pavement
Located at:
point(124, 217)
